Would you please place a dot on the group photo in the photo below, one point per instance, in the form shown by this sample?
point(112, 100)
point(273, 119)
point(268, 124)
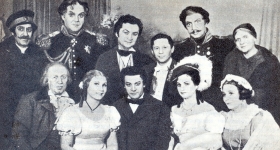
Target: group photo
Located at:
point(139, 75)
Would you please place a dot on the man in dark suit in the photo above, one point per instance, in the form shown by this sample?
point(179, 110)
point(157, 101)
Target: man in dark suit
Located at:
point(21, 66)
point(162, 46)
point(127, 29)
point(195, 19)
point(145, 121)
point(37, 112)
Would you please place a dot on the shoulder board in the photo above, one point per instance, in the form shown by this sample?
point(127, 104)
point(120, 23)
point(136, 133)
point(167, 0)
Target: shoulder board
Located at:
point(90, 32)
point(54, 33)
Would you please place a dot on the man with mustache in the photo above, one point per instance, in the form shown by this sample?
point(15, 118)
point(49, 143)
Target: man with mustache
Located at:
point(195, 19)
point(73, 45)
point(21, 66)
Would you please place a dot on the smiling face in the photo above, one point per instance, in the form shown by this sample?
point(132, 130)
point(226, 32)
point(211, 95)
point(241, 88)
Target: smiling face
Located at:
point(244, 41)
point(74, 17)
point(57, 79)
point(127, 35)
point(23, 34)
point(196, 26)
point(162, 50)
point(97, 87)
point(231, 96)
point(134, 86)
point(186, 86)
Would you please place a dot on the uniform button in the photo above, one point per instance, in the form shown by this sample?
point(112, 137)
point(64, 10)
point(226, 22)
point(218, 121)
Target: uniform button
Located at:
point(73, 50)
point(74, 61)
point(75, 73)
point(198, 46)
point(74, 67)
point(73, 55)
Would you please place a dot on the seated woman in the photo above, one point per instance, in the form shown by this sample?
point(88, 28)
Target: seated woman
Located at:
point(247, 127)
point(86, 127)
point(197, 124)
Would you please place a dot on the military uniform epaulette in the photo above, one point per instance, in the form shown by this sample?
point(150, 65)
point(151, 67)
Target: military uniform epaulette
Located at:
point(100, 38)
point(44, 41)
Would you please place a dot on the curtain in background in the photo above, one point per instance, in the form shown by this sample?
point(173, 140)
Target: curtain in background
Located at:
point(48, 19)
point(270, 27)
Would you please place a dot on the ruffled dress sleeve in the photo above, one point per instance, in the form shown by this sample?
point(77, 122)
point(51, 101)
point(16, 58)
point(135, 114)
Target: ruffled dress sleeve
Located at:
point(177, 121)
point(215, 122)
point(70, 122)
point(114, 118)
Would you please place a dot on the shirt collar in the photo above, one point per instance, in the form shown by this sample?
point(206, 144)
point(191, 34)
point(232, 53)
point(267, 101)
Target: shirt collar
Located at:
point(165, 66)
point(130, 49)
point(141, 97)
point(64, 94)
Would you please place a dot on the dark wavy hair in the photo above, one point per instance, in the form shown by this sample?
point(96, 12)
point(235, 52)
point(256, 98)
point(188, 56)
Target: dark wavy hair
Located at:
point(127, 19)
point(244, 94)
point(131, 71)
point(191, 10)
point(63, 6)
point(86, 80)
point(195, 77)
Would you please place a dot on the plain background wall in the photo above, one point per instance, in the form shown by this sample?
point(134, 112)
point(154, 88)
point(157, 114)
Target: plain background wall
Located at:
point(163, 15)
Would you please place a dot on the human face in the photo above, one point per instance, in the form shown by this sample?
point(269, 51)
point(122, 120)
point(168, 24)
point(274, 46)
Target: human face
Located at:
point(231, 96)
point(97, 87)
point(57, 79)
point(162, 50)
point(134, 86)
point(74, 17)
point(23, 34)
point(127, 35)
point(244, 41)
point(186, 87)
point(195, 25)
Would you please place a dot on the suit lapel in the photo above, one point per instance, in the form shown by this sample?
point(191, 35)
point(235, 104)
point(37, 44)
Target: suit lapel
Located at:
point(126, 110)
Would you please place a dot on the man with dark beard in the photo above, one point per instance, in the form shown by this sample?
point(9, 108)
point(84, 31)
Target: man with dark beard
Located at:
point(21, 66)
point(195, 20)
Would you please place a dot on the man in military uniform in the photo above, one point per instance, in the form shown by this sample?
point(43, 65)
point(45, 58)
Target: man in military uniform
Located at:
point(195, 20)
point(74, 46)
point(21, 66)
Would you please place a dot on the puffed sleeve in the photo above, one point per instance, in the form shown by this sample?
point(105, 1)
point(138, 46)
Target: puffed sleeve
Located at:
point(69, 122)
point(177, 121)
point(215, 122)
point(114, 118)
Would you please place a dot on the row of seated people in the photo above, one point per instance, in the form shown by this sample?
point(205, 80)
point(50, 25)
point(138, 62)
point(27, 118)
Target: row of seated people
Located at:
point(22, 62)
point(49, 119)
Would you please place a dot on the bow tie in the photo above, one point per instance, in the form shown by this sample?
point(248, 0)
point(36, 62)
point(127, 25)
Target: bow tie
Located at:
point(124, 53)
point(135, 101)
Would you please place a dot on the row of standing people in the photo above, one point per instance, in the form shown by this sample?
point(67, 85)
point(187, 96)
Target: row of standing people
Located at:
point(72, 46)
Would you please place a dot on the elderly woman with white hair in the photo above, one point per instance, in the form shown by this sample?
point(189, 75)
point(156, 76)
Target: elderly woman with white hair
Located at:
point(247, 126)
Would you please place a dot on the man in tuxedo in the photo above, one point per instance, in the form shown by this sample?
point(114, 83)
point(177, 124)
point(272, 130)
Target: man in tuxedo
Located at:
point(162, 46)
point(127, 29)
point(34, 122)
point(145, 121)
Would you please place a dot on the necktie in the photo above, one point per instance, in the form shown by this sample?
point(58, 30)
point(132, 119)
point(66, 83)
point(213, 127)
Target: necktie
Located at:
point(135, 101)
point(124, 53)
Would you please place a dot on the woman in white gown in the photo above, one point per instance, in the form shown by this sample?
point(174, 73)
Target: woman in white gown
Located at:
point(90, 125)
point(247, 127)
point(197, 124)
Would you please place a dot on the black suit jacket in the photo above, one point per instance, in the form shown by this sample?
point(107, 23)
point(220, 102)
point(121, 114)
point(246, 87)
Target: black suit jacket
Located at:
point(168, 96)
point(107, 63)
point(147, 129)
